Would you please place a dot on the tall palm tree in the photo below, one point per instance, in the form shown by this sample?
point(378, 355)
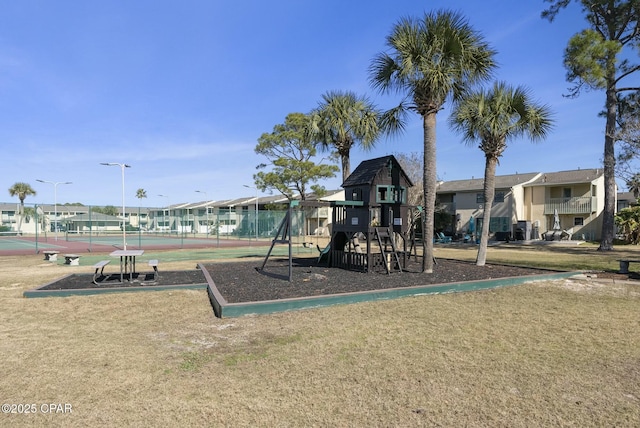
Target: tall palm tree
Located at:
point(492, 117)
point(431, 60)
point(342, 120)
point(22, 190)
point(140, 194)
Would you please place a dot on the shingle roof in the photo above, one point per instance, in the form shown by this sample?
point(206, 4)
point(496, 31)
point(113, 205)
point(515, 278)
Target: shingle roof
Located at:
point(568, 177)
point(626, 196)
point(366, 172)
point(502, 182)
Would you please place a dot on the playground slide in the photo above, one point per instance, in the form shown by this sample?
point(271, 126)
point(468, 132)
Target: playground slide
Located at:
point(323, 253)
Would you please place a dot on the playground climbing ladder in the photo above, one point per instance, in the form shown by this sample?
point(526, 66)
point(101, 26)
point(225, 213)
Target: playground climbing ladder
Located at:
point(386, 235)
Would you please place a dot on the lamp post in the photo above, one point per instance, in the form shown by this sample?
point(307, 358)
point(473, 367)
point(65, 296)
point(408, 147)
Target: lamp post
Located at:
point(256, 218)
point(164, 218)
point(55, 201)
point(207, 208)
point(124, 229)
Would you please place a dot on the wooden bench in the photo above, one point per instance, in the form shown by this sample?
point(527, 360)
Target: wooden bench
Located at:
point(72, 259)
point(51, 255)
point(154, 265)
point(624, 264)
point(99, 267)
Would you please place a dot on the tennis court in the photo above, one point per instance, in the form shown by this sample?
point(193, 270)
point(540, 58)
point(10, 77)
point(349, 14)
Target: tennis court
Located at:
point(107, 242)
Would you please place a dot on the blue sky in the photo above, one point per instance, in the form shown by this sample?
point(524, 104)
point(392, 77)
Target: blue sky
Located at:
point(182, 90)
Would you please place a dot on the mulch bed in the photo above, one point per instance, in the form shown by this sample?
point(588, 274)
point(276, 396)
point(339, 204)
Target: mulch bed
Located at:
point(80, 281)
point(243, 281)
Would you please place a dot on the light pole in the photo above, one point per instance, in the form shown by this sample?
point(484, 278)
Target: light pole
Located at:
point(124, 229)
point(164, 218)
point(256, 218)
point(55, 201)
point(207, 208)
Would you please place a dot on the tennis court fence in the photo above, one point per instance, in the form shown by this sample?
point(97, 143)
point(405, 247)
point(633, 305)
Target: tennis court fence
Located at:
point(173, 226)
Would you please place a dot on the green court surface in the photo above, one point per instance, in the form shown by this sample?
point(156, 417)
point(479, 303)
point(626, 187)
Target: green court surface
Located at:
point(133, 238)
point(199, 255)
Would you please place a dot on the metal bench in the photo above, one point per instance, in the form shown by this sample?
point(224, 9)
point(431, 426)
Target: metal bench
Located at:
point(624, 264)
point(51, 255)
point(99, 267)
point(72, 259)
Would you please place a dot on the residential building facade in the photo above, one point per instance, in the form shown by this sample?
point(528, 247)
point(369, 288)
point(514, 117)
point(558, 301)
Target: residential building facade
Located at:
point(226, 217)
point(526, 206)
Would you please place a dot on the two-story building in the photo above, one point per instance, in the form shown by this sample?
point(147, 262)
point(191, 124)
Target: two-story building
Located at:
point(525, 206)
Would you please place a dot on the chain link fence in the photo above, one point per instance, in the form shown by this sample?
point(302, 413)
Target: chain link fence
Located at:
point(143, 226)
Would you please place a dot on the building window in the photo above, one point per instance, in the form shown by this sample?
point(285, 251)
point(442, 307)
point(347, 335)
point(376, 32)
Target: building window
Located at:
point(578, 221)
point(391, 194)
point(356, 195)
point(498, 197)
point(382, 194)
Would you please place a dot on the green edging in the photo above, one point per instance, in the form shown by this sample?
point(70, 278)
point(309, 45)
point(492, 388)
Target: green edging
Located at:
point(222, 308)
point(90, 291)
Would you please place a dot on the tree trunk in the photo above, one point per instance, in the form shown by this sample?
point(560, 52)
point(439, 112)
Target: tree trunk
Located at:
point(346, 166)
point(608, 222)
point(489, 192)
point(20, 217)
point(429, 184)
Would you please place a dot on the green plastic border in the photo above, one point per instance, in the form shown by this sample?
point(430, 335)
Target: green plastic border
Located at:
point(222, 308)
point(39, 292)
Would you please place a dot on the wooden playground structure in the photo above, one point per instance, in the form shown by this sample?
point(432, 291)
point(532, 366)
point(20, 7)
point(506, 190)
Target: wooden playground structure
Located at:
point(374, 215)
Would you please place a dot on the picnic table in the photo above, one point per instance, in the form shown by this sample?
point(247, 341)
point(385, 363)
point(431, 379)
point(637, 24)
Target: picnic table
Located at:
point(127, 262)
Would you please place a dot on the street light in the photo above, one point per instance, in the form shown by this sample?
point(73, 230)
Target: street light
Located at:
point(164, 217)
point(207, 208)
point(124, 229)
point(55, 200)
point(256, 218)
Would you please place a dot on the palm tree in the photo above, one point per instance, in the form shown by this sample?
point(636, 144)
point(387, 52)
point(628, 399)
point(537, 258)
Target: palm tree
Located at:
point(431, 60)
point(22, 190)
point(342, 120)
point(140, 194)
point(493, 117)
point(633, 184)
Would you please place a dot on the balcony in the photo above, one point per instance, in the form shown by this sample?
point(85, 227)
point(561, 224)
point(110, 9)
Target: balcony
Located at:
point(584, 205)
point(448, 207)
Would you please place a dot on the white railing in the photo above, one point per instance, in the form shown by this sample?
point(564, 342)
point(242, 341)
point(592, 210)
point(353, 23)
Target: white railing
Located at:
point(582, 205)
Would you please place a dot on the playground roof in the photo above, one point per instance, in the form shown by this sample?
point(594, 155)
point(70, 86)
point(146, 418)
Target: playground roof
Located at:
point(366, 172)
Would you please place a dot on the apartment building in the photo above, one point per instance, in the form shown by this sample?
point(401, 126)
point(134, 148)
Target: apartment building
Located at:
point(526, 205)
